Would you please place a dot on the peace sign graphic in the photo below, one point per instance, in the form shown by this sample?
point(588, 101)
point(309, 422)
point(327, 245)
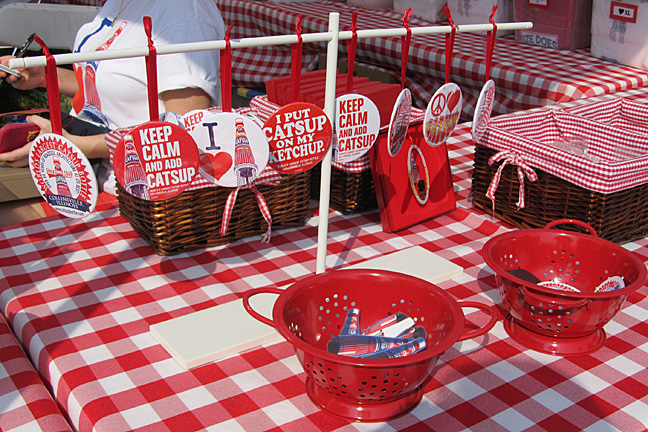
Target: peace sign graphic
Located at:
point(438, 104)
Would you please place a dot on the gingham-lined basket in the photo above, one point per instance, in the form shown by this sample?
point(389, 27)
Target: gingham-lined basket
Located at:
point(532, 169)
point(193, 219)
point(620, 113)
point(352, 186)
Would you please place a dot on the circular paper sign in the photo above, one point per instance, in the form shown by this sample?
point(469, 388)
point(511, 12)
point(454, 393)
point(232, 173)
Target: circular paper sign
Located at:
point(483, 110)
point(233, 149)
point(399, 123)
point(63, 175)
point(299, 135)
point(357, 123)
point(191, 119)
point(156, 160)
point(442, 114)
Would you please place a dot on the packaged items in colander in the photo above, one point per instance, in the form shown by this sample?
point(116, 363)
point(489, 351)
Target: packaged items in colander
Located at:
point(390, 337)
point(352, 323)
point(409, 348)
point(391, 326)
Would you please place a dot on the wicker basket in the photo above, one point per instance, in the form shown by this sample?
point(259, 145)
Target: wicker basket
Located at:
point(192, 220)
point(619, 216)
point(351, 192)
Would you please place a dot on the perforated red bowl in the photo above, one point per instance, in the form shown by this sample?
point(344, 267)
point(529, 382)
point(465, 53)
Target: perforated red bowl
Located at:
point(310, 312)
point(552, 320)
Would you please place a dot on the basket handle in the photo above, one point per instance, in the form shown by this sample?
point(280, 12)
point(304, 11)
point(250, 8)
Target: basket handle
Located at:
point(539, 298)
point(581, 224)
point(255, 314)
point(490, 310)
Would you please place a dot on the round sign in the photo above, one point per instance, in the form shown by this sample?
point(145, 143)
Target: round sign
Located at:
point(357, 123)
point(233, 149)
point(442, 114)
point(191, 119)
point(419, 177)
point(156, 160)
point(299, 135)
point(399, 123)
point(483, 110)
point(63, 175)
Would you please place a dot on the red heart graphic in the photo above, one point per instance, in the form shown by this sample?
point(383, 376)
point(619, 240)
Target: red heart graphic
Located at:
point(222, 162)
point(206, 164)
point(453, 99)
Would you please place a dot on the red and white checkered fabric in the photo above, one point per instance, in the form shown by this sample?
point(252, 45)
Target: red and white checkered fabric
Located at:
point(523, 170)
point(620, 113)
point(82, 295)
point(615, 160)
point(25, 403)
point(526, 76)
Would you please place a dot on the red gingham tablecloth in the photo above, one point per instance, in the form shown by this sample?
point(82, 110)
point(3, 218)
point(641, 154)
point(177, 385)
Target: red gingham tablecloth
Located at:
point(25, 403)
point(526, 76)
point(81, 295)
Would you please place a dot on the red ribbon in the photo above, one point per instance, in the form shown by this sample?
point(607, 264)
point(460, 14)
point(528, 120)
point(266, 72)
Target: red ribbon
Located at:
point(151, 72)
point(405, 41)
point(53, 95)
point(490, 42)
point(510, 157)
point(351, 52)
point(272, 178)
point(226, 73)
point(450, 39)
point(296, 66)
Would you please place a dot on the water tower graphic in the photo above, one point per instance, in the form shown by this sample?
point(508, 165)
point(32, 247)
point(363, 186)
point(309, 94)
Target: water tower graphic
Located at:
point(245, 166)
point(62, 187)
point(134, 175)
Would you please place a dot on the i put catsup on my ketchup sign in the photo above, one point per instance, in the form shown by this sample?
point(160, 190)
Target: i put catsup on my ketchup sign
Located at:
point(299, 135)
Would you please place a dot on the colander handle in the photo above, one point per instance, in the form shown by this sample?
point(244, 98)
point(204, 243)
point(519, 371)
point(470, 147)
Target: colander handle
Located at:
point(490, 310)
point(255, 314)
point(581, 224)
point(539, 298)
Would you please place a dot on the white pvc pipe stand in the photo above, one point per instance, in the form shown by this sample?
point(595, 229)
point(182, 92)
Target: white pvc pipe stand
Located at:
point(333, 36)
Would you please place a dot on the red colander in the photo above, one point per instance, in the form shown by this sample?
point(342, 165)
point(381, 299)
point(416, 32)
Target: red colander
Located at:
point(555, 321)
point(313, 310)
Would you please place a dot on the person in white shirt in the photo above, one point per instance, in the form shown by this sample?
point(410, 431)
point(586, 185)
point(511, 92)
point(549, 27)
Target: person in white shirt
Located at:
point(113, 93)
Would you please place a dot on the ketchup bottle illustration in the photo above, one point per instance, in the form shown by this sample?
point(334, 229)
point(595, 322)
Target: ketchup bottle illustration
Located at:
point(133, 172)
point(62, 187)
point(245, 166)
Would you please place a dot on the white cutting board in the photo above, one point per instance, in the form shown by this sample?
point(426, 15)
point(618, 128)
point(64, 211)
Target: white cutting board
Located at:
point(215, 333)
point(414, 261)
point(212, 334)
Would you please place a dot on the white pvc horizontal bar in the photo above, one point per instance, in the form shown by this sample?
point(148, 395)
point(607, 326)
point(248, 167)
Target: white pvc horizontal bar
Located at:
point(70, 58)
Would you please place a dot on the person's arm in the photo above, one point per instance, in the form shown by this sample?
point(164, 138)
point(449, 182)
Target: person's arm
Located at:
point(32, 78)
point(68, 84)
point(94, 146)
point(184, 100)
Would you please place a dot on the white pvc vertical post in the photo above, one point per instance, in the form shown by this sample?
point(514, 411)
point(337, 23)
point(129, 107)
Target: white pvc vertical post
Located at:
point(329, 109)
